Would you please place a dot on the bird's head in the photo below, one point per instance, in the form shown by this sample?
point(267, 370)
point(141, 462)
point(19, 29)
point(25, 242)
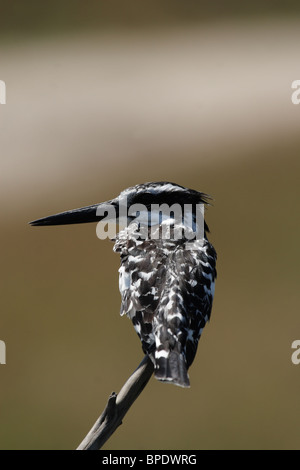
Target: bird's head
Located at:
point(151, 202)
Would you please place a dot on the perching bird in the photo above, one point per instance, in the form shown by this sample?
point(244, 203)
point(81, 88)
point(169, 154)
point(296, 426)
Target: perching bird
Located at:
point(166, 281)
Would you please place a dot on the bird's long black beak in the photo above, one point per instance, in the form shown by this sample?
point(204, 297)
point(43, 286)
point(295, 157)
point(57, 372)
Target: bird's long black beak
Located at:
point(93, 213)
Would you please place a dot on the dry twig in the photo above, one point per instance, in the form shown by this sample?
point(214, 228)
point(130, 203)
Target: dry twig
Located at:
point(117, 406)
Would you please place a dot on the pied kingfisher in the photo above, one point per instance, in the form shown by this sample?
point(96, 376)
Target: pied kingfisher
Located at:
point(166, 283)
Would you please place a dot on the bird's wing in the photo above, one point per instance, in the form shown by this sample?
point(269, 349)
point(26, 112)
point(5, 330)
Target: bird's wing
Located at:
point(141, 280)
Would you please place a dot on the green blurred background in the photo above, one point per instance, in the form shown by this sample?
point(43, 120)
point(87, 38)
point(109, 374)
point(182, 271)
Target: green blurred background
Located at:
point(101, 96)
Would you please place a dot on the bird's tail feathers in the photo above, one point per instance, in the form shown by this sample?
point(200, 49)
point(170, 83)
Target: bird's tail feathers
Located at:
point(170, 367)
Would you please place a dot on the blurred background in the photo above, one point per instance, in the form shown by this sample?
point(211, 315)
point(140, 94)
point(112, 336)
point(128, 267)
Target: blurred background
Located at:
point(105, 95)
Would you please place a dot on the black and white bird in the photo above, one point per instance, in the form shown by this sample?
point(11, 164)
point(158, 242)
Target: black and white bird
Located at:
point(166, 282)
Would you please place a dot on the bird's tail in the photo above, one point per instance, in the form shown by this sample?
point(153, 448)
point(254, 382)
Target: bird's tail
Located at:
point(171, 367)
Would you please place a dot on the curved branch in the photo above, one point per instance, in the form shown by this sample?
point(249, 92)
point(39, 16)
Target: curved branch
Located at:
point(117, 407)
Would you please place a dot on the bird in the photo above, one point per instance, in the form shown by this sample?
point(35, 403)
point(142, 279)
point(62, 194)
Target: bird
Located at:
point(166, 282)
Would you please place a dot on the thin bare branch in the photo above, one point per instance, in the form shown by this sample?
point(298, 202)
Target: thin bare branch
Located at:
point(117, 406)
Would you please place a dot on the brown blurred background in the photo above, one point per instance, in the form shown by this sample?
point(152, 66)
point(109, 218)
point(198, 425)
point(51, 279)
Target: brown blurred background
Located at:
point(101, 96)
